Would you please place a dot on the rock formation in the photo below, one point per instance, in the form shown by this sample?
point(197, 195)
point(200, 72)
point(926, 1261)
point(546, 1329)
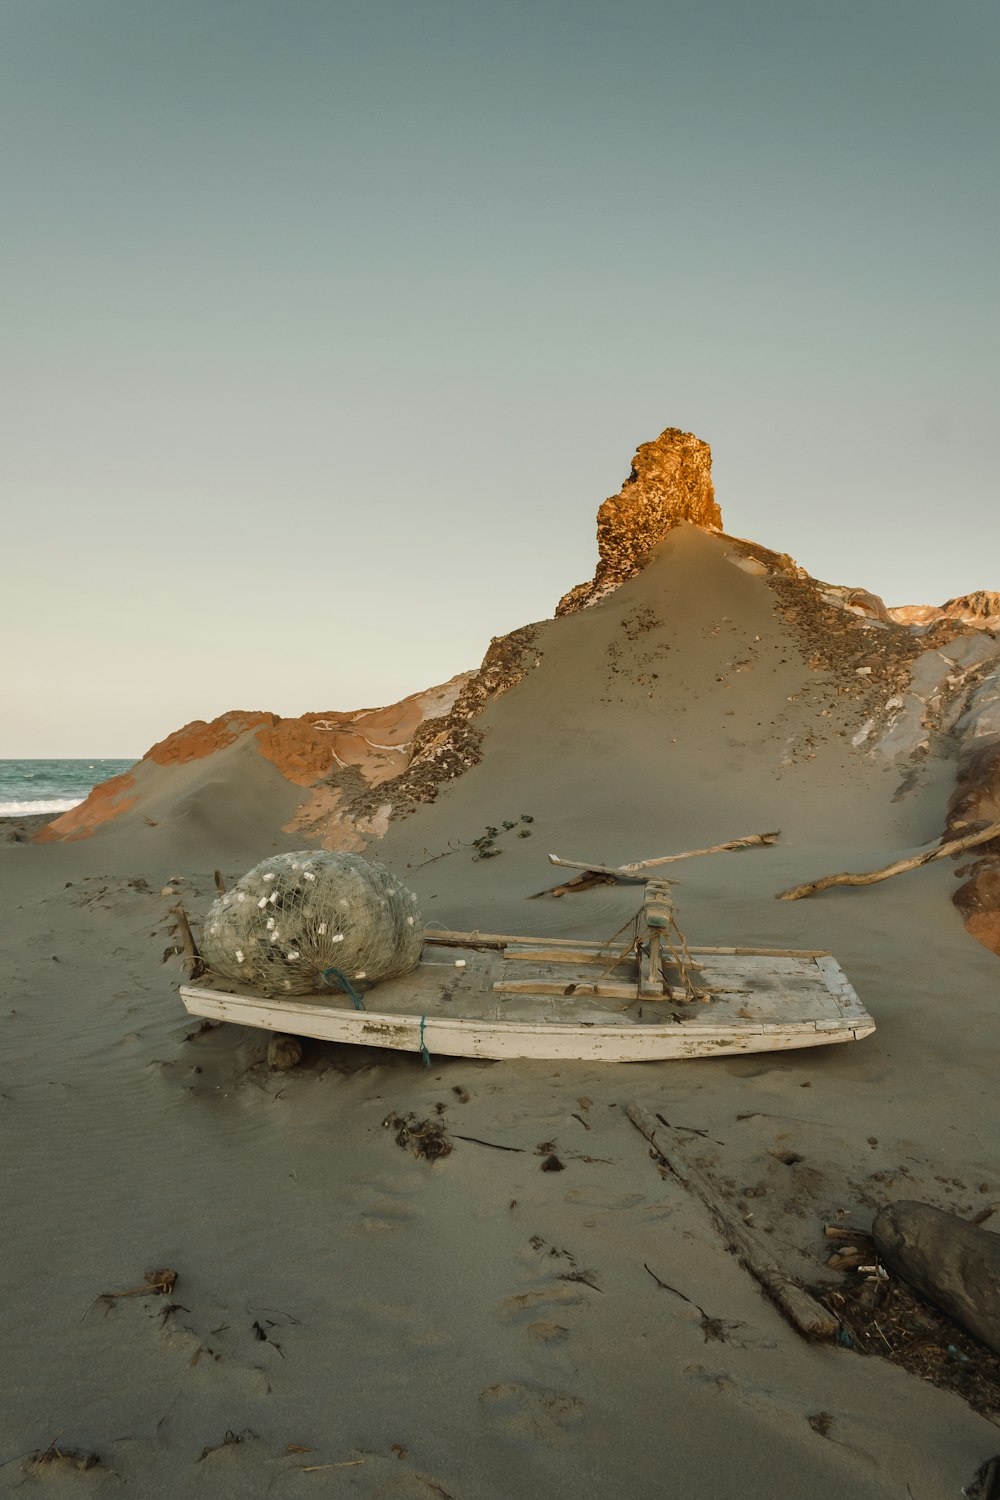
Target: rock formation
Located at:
point(345, 813)
point(109, 799)
point(976, 802)
point(371, 745)
point(981, 609)
point(670, 482)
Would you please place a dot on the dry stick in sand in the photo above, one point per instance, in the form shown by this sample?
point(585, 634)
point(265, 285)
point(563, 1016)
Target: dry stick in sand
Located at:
point(154, 1284)
point(220, 884)
point(752, 840)
point(872, 877)
point(196, 964)
point(804, 1312)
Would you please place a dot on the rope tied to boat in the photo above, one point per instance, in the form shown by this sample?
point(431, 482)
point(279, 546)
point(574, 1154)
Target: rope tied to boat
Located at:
point(340, 978)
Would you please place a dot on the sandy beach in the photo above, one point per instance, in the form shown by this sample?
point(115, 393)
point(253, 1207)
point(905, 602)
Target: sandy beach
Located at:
point(546, 451)
point(350, 1319)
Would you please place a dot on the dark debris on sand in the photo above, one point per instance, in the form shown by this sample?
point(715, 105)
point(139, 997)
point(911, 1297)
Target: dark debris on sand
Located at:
point(886, 1318)
point(65, 1458)
point(426, 1138)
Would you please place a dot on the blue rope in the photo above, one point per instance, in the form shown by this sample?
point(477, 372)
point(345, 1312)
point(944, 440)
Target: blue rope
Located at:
point(423, 1045)
point(345, 984)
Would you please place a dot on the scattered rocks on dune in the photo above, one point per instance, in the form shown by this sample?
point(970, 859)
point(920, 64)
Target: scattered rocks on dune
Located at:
point(869, 660)
point(670, 482)
point(445, 747)
point(954, 1264)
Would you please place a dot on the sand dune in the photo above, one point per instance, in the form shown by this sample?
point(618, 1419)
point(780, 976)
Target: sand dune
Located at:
point(360, 1321)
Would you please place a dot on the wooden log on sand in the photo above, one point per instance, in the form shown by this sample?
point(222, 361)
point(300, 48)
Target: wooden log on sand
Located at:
point(872, 877)
point(803, 1311)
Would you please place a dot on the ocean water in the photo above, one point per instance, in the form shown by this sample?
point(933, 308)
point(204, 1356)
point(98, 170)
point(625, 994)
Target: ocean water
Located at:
point(42, 786)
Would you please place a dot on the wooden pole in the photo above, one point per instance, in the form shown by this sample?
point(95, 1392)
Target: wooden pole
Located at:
point(872, 877)
point(803, 1311)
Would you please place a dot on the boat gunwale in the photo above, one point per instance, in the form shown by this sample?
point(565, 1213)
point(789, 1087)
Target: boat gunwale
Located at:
point(382, 1019)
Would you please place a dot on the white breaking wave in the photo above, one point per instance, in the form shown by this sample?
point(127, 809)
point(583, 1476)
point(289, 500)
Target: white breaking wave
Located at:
point(50, 805)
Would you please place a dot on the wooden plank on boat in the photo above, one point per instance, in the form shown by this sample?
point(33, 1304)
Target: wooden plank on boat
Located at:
point(549, 954)
point(501, 939)
point(768, 952)
point(605, 989)
point(448, 938)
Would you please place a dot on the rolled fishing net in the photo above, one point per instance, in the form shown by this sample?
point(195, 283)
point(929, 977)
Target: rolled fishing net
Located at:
point(301, 923)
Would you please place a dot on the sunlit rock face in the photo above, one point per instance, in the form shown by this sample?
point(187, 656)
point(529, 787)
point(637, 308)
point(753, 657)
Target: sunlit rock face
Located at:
point(975, 803)
point(670, 482)
point(363, 747)
point(980, 609)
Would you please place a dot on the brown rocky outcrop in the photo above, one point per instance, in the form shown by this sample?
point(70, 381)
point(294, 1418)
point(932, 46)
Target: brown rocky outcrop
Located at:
point(201, 738)
point(670, 482)
point(976, 803)
point(869, 605)
point(106, 801)
point(344, 813)
point(980, 609)
point(362, 747)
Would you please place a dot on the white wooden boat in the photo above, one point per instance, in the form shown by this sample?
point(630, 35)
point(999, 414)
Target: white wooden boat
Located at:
point(483, 995)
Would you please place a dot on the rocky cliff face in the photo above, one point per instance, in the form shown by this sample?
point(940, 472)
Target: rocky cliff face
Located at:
point(365, 746)
point(976, 802)
point(980, 609)
point(670, 482)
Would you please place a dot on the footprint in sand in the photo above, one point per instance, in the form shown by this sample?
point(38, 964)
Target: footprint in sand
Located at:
point(782, 1410)
point(547, 1332)
point(382, 1218)
point(209, 1364)
point(554, 1301)
point(520, 1411)
point(605, 1198)
point(408, 1327)
point(381, 1207)
point(369, 1475)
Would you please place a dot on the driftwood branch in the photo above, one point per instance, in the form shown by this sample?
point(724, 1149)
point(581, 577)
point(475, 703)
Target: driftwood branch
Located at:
point(872, 877)
point(584, 881)
point(195, 962)
point(639, 867)
point(803, 1311)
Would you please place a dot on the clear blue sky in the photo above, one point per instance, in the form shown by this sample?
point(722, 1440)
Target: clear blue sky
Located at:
point(328, 325)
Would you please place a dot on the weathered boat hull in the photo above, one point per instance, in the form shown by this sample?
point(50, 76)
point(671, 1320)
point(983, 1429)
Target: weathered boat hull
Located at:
point(537, 999)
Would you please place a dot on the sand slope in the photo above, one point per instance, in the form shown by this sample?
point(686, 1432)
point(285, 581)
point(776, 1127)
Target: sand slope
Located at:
point(479, 1327)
